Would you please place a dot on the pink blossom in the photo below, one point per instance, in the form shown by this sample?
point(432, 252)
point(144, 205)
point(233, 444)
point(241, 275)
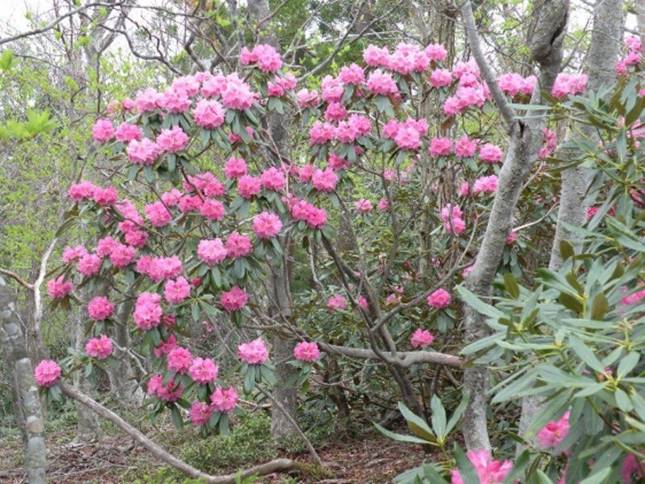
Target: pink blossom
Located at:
point(238, 245)
point(465, 147)
point(165, 346)
point(203, 370)
point(382, 83)
point(99, 348)
point(566, 84)
point(234, 299)
point(148, 311)
point(440, 147)
point(407, 138)
point(511, 238)
point(488, 470)
point(158, 214)
point(335, 111)
point(206, 183)
point(171, 198)
point(59, 288)
point(376, 56)
point(464, 189)
point(254, 352)
point(102, 131)
point(314, 217)
point(306, 351)
point(264, 56)
point(174, 101)
point(436, 52)
point(224, 400)
point(170, 392)
point(452, 218)
point(336, 163)
point(71, 254)
point(47, 373)
point(485, 184)
point(352, 75)
point(514, 84)
point(172, 140)
point(363, 206)
point(632, 468)
point(248, 186)
point(324, 180)
point(439, 299)
point(633, 43)
point(337, 303)
point(143, 152)
point(211, 251)
point(100, 308)
point(176, 291)
point(421, 338)
point(273, 179)
point(554, 432)
point(146, 100)
point(127, 132)
point(237, 94)
point(440, 78)
point(362, 303)
point(212, 209)
point(266, 225)
point(105, 197)
point(105, 246)
point(122, 255)
point(159, 268)
point(235, 167)
point(82, 190)
point(209, 114)
point(633, 298)
point(490, 153)
point(332, 89)
point(179, 360)
point(89, 264)
point(321, 133)
point(383, 204)
point(200, 413)
point(307, 98)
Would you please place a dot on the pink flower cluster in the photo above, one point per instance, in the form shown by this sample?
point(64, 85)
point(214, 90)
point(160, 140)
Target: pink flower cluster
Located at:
point(99, 348)
point(471, 91)
point(264, 56)
point(211, 251)
point(634, 298)
point(254, 352)
point(554, 432)
point(47, 373)
point(421, 338)
point(306, 351)
point(453, 221)
point(59, 288)
point(514, 84)
point(280, 85)
point(266, 225)
point(222, 400)
point(234, 299)
point(302, 210)
point(566, 84)
point(176, 291)
point(100, 308)
point(490, 153)
point(408, 134)
point(550, 144)
point(633, 56)
point(439, 299)
point(159, 268)
point(337, 302)
point(170, 392)
point(488, 470)
point(485, 184)
point(203, 370)
point(406, 58)
point(148, 311)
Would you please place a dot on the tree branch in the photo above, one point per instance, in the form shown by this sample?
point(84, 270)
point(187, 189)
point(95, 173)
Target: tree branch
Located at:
point(403, 359)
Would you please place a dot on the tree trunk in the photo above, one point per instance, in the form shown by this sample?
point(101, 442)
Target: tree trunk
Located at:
point(27, 403)
point(88, 427)
point(525, 139)
point(604, 50)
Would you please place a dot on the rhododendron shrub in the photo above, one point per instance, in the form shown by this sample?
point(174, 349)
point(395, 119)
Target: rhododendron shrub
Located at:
point(222, 201)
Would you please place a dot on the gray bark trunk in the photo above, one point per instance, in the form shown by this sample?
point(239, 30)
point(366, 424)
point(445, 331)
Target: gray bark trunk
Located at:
point(604, 51)
point(525, 139)
point(27, 402)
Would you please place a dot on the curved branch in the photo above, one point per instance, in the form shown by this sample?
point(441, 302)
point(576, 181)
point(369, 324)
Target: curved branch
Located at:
point(403, 359)
point(276, 465)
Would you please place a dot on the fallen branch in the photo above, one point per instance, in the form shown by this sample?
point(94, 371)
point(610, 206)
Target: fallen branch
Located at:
point(401, 358)
point(276, 465)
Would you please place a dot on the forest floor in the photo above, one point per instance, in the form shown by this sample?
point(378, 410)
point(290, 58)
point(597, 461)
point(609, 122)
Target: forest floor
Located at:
point(116, 459)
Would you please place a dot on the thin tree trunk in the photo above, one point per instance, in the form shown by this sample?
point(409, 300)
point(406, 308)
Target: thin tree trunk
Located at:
point(525, 139)
point(27, 402)
point(604, 50)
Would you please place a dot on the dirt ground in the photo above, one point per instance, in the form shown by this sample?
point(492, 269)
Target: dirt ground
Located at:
point(372, 460)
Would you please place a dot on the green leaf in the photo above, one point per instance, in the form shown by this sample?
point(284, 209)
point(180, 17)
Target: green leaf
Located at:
point(416, 424)
point(400, 437)
point(6, 59)
point(623, 401)
point(176, 417)
point(477, 304)
point(585, 354)
point(466, 468)
point(566, 250)
point(627, 364)
point(598, 478)
point(543, 478)
point(599, 307)
point(458, 413)
point(511, 285)
point(438, 418)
